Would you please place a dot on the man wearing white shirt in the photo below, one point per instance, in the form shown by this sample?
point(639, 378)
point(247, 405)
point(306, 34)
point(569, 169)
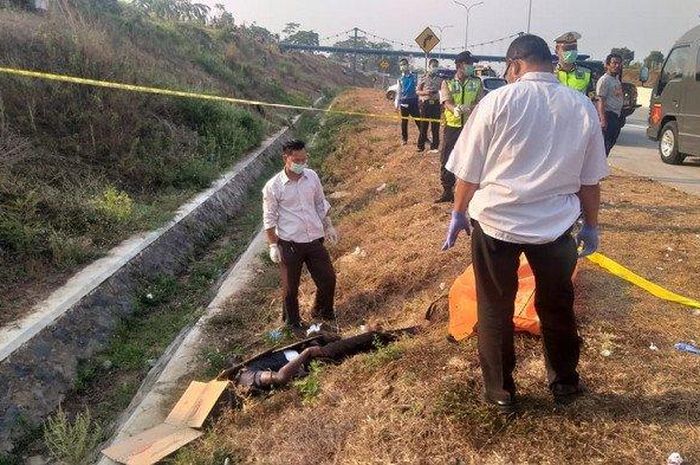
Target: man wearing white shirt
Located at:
point(528, 163)
point(296, 221)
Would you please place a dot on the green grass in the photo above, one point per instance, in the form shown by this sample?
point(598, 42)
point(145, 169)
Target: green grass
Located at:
point(309, 387)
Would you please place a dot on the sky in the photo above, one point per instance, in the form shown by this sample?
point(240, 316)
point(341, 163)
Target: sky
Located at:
point(641, 25)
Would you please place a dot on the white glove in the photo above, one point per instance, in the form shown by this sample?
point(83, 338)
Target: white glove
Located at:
point(457, 111)
point(464, 109)
point(329, 231)
point(275, 254)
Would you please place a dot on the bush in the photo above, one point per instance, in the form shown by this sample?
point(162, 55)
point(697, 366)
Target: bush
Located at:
point(73, 442)
point(115, 205)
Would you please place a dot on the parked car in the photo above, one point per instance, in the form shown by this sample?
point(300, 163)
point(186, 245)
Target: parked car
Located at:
point(490, 83)
point(674, 113)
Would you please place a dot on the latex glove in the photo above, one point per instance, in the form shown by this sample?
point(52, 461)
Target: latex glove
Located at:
point(457, 111)
point(329, 231)
point(275, 254)
point(587, 240)
point(331, 235)
point(459, 222)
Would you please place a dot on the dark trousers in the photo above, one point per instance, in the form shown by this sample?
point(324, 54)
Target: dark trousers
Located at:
point(318, 262)
point(430, 109)
point(612, 131)
point(446, 177)
point(496, 271)
point(408, 108)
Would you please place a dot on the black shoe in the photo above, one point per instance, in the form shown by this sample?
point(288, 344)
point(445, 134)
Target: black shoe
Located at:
point(325, 316)
point(504, 407)
point(565, 393)
point(446, 197)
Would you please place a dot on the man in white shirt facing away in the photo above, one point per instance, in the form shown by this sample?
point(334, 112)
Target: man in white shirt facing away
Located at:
point(296, 221)
point(529, 160)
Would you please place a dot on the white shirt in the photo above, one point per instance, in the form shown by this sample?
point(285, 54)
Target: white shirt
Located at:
point(530, 146)
point(295, 208)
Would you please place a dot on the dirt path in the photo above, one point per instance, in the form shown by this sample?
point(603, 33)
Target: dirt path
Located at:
point(418, 401)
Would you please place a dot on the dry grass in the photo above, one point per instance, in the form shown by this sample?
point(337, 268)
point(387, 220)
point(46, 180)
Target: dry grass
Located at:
point(422, 405)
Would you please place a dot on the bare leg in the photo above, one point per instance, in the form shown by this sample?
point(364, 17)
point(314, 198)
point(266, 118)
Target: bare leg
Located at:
point(287, 372)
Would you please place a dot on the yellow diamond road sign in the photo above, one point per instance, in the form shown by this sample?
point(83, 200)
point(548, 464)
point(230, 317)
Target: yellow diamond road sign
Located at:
point(384, 64)
point(427, 40)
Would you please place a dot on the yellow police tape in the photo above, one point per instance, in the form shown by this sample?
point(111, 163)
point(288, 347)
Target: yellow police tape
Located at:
point(626, 274)
point(197, 95)
point(599, 259)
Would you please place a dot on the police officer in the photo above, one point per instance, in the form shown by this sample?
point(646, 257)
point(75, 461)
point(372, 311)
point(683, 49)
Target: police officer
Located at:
point(577, 77)
point(459, 96)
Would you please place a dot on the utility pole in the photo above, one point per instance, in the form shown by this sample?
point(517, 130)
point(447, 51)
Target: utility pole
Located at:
point(529, 15)
point(466, 29)
point(354, 59)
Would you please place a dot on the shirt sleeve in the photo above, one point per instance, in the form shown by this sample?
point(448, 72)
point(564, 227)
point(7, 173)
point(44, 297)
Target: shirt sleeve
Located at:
point(595, 163)
point(270, 206)
point(469, 155)
point(444, 92)
point(601, 89)
point(320, 203)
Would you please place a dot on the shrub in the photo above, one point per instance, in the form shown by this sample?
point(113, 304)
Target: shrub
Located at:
point(115, 204)
point(73, 442)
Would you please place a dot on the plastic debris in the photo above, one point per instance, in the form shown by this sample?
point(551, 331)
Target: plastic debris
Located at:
point(442, 286)
point(690, 348)
point(149, 296)
point(606, 352)
point(674, 459)
point(314, 328)
point(275, 335)
point(653, 347)
point(358, 252)
point(381, 188)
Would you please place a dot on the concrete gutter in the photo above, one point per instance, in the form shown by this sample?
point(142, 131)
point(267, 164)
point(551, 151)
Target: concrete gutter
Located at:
point(39, 355)
point(154, 400)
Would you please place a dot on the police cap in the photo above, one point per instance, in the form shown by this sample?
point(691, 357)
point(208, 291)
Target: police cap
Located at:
point(568, 38)
point(465, 57)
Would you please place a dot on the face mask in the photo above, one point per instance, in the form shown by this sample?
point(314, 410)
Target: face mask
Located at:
point(469, 70)
point(298, 168)
point(433, 69)
point(570, 56)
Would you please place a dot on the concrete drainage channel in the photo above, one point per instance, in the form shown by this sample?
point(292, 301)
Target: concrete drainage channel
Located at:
point(39, 355)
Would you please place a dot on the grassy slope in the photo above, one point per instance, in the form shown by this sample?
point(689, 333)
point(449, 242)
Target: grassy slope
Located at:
point(418, 401)
point(82, 168)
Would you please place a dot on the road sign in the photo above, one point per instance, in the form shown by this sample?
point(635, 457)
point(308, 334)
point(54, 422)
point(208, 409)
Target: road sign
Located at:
point(384, 64)
point(427, 40)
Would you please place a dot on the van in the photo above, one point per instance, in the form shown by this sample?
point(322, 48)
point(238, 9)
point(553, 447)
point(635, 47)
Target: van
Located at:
point(674, 111)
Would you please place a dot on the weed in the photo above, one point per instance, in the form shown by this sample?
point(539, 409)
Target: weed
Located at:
point(115, 204)
point(310, 386)
point(383, 354)
point(72, 443)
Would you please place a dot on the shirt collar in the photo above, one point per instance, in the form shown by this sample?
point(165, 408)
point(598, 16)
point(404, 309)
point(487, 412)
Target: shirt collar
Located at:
point(285, 179)
point(539, 76)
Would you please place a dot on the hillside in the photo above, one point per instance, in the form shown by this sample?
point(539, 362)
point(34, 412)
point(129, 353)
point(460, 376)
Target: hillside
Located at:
point(418, 401)
point(82, 168)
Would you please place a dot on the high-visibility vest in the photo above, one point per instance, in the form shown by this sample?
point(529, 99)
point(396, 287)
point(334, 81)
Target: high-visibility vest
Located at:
point(578, 78)
point(462, 94)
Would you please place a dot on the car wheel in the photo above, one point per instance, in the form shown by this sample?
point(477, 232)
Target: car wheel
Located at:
point(668, 144)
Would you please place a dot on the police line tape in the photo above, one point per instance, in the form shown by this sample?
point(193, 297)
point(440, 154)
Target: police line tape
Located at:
point(196, 95)
point(654, 289)
point(597, 258)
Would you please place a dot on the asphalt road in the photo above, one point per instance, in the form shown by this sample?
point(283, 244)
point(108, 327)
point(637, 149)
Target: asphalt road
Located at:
point(635, 153)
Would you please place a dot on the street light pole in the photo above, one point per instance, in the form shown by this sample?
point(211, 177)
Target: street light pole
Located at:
point(466, 29)
point(441, 29)
point(529, 15)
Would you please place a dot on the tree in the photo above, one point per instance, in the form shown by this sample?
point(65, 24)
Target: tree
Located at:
point(626, 54)
point(654, 60)
point(290, 29)
point(303, 38)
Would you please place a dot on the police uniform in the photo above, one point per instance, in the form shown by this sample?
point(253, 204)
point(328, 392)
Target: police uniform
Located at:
point(578, 78)
point(467, 92)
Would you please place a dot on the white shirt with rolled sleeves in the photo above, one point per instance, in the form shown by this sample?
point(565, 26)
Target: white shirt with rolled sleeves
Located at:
point(530, 146)
point(295, 208)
